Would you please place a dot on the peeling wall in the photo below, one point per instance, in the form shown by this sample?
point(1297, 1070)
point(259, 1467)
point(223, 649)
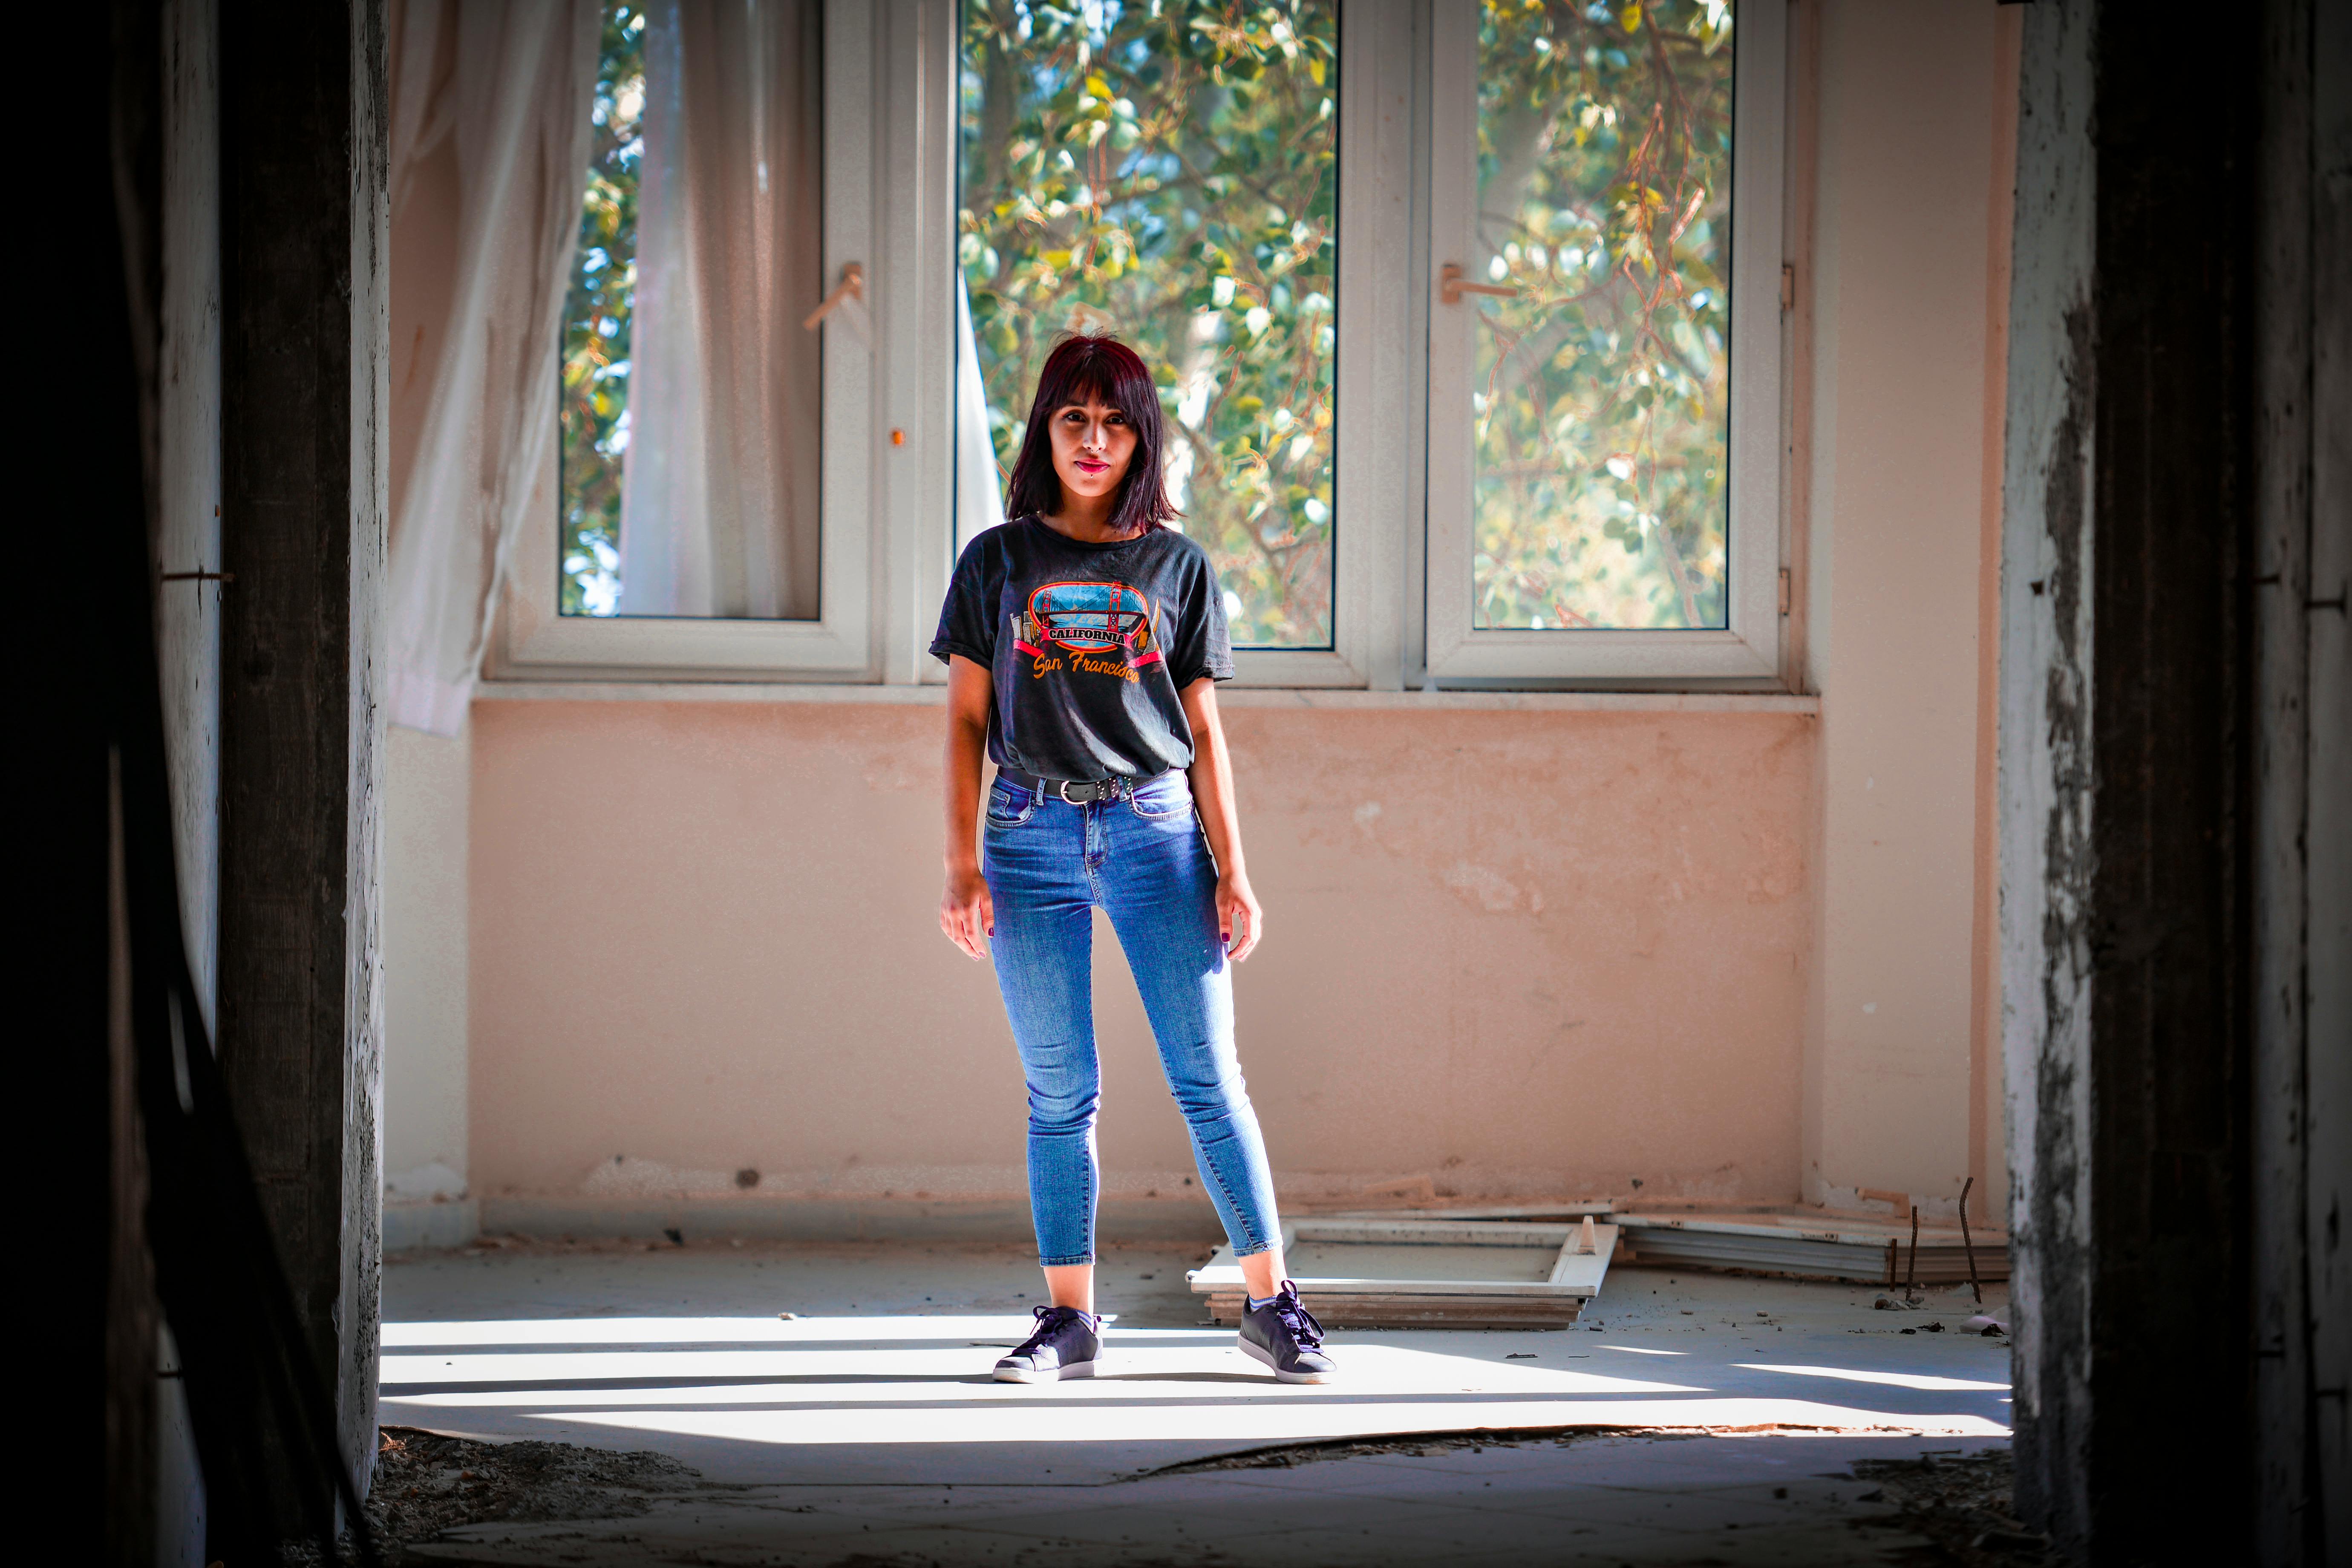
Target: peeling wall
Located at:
point(2045, 764)
point(1515, 952)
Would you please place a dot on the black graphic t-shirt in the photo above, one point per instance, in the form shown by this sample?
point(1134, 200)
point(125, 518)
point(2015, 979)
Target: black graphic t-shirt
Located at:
point(1088, 644)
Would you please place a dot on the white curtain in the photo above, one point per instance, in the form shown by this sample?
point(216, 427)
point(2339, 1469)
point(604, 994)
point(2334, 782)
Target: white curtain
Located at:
point(718, 508)
point(979, 488)
point(511, 81)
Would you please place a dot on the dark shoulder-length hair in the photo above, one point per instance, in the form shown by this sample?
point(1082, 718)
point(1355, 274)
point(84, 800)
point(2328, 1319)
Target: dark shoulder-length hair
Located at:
point(1110, 373)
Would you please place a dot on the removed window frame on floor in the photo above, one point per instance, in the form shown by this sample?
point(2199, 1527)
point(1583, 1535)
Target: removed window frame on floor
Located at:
point(1812, 1243)
point(1579, 1266)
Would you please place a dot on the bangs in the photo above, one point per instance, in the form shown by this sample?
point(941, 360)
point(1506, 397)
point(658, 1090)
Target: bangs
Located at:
point(1091, 379)
point(1102, 370)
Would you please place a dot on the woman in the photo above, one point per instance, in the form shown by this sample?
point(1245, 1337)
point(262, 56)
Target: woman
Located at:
point(1083, 641)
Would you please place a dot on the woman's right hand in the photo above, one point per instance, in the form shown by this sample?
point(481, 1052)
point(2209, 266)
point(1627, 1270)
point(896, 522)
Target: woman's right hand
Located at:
point(966, 912)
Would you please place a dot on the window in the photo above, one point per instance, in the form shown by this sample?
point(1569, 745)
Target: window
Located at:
point(711, 487)
point(1598, 386)
point(1601, 366)
point(1474, 378)
point(692, 391)
point(1170, 173)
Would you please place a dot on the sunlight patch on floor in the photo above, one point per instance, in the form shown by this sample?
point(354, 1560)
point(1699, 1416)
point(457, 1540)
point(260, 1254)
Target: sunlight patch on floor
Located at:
point(1165, 1365)
point(1891, 1379)
point(765, 1329)
point(925, 1380)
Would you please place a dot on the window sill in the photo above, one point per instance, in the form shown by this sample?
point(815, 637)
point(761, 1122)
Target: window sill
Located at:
point(1229, 697)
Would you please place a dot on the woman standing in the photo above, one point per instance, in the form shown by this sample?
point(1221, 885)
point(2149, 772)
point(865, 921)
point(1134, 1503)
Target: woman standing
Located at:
point(1083, 641)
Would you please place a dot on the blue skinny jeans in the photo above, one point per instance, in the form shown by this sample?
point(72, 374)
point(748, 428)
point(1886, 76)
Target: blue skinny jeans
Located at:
point(1144, 862)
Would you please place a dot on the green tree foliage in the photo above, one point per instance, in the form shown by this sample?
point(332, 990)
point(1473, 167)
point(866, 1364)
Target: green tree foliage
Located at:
point(1168, 170)
point(594, 400)
point(1605, 172)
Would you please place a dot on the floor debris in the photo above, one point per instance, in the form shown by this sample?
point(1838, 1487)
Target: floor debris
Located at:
point(1420, 1445)
point(1810, 1243)
point(1421, 1270)
point(427, 1484)
point(1961, 1501)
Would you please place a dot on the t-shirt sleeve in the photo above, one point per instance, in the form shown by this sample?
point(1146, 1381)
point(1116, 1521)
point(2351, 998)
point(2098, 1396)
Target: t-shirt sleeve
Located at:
point(1202, 644)
point(968, 618)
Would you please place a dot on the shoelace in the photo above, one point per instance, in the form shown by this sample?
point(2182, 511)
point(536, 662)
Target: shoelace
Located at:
point(1304, 1331)
point(1049, 1320)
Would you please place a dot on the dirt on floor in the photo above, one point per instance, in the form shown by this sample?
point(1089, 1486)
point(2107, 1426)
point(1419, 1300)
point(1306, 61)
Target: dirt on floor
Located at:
point(426, 1483)
point(1418, 1446)
point(1961, 1502)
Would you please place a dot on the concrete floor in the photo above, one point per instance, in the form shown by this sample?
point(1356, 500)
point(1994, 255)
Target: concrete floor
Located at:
point(864, 1429)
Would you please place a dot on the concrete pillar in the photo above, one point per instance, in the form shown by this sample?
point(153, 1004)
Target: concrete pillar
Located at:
point(2302, 739)
point(302, 377)
point(2164, 687)
point(187, 622)
point(2326, 1398)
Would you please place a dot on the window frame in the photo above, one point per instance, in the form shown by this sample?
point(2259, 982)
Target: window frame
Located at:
point(535, 641)
point(1749, 648)
point(889, 490)
point(1371, 500)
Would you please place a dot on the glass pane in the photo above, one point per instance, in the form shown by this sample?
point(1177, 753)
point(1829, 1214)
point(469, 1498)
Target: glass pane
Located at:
point(1169, 172)
point(594, 401)
point(1604, 200)
point(691, 393)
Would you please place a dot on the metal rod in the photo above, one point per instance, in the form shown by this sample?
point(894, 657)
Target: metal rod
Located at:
point(1966, 1245)
point(1911, 1268)
point(852, 284)
point(1451, 286)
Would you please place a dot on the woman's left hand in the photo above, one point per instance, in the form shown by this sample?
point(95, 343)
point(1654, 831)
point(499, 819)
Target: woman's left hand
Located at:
point(1239, 919)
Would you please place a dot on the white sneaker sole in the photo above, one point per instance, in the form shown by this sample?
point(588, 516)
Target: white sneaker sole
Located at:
point(1257, 1352)
point(1029, 1374)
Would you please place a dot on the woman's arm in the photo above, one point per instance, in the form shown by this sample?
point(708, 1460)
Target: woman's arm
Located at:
point(1239, 919)
point(965, 913)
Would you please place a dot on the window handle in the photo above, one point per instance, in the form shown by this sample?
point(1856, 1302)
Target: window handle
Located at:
point(1451, 288)
point(851, 287)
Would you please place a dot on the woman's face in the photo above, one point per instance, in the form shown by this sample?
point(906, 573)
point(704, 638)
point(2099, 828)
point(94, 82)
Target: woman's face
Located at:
point(1093, 444)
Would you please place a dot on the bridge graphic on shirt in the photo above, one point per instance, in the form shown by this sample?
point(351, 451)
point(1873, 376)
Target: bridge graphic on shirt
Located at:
point(1086, 621)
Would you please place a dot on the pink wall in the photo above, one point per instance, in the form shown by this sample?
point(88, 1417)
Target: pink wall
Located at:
point(1522, 952)
point(1903, 175)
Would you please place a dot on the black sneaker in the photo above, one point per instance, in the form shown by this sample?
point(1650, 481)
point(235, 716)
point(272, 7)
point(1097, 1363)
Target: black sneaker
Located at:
point(1285, 1335)
point(1065, 1344)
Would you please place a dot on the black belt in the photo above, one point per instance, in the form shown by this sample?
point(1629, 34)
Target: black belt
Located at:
point(1076, 792)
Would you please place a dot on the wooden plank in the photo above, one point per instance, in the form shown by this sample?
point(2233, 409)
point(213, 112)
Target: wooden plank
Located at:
point(1435, 1232)
point(1857, 1259)
point(1581, 1256)
point(1598, 1207)
point(1871, 1233)
point(1566, 1274)
point(1209, 1281)
point(1338, 1309)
